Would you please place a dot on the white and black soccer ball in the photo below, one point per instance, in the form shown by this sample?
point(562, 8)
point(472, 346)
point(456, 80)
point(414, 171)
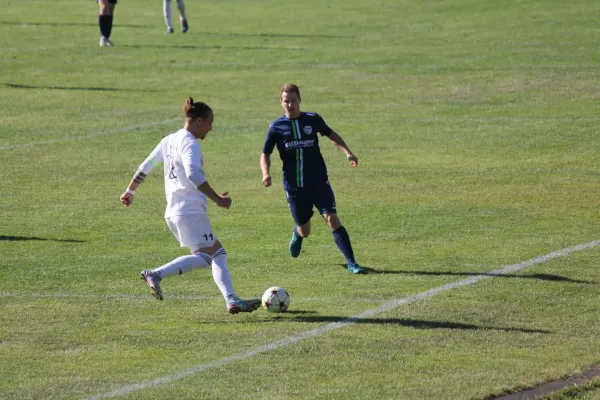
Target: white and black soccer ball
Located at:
point(276, 299)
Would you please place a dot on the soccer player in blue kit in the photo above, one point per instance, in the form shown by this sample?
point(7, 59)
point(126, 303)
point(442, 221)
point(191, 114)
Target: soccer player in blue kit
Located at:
point(305, 178)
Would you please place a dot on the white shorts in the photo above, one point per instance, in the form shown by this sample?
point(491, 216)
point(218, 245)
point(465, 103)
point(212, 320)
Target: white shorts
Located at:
point(193, 231)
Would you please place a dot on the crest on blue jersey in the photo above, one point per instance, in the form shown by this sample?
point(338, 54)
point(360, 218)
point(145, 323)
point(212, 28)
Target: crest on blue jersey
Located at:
point(307, 130)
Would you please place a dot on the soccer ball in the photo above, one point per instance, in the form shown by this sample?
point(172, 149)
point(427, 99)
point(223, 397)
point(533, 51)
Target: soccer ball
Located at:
point(276, 299)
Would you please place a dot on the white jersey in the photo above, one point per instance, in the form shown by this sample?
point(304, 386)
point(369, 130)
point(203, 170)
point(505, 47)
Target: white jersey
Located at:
point(183, 163)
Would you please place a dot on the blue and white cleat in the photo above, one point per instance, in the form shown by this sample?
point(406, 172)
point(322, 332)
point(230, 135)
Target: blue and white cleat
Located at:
point(295, 244)
point(239, 305)
point(356, 269)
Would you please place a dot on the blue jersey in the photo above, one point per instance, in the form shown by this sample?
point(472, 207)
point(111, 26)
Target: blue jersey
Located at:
point(298, 145)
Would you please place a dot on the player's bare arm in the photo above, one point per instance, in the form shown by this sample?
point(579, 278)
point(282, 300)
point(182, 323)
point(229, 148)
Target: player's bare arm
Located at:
point(221, 200)
point(265, 166)
point(129, 194)
point(339, 143)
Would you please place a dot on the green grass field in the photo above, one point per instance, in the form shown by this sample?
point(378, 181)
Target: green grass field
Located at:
point(476, 127)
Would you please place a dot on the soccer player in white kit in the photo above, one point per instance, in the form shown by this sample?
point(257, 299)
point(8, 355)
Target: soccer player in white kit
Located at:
point(186, 190)
point(182, 18)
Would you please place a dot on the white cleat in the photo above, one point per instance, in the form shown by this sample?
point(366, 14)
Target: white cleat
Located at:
point(153, 281)
point(105, 42)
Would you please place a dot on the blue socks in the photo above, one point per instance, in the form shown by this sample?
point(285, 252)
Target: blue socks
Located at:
point(340, 236)
point(342, 240)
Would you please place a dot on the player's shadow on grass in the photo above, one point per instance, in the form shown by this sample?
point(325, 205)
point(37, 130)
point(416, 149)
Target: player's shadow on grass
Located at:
point(543, 277)
point(25, 238)
point(298, 312)
point(415, 323)
point(93, 89)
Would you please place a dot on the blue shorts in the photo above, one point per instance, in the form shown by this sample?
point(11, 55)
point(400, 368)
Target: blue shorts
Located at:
point(301, 202)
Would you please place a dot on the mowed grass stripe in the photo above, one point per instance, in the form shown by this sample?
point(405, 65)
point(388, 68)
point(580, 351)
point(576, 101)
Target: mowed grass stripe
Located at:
point(91, 135)
point(387, 306)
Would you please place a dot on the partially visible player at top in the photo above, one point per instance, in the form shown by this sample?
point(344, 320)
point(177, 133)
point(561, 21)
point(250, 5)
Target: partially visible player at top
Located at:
point(105, 21)
point(186, 190)
point(305, 178)
point(182, 18)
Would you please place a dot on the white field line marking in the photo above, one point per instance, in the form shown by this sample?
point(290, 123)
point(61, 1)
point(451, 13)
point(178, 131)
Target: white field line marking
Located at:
point(146, 297)
point(91, 135)
point(387, 306)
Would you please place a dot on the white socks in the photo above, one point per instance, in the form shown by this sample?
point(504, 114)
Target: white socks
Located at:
point(183, 264)
point(221, 275)
point(220, 272)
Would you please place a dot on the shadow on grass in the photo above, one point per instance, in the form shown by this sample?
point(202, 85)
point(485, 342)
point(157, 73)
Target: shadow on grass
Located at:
point(298, 312)
point(25, 238)
point(203, 46)
point(63, 24)
point(413, 323)
point(117, 26)
point(280, 35)
point(542, 277)
point(98, 89)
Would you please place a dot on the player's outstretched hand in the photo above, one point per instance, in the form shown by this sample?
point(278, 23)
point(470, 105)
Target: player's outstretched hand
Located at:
point(353, 160)
point(266, 180)
point(127, 199)
point(225, 200)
